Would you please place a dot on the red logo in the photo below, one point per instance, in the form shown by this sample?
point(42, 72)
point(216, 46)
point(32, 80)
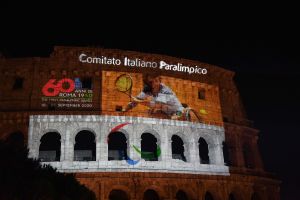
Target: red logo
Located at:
point(52, 89)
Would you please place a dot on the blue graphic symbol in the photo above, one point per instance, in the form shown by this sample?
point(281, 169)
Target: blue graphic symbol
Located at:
point(78, 84)
point(128, 160)
point(121, 152)
point(132, 162)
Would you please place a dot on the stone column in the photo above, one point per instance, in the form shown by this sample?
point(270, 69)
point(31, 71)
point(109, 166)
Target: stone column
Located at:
point(98, 147)
point(165, 146)
point(218, 154)
point(166, 151)
point(69, 145)
point(212, 153)
point(30, 132)
point(35, 149)
point(103, 145)
point(36, 143)
point(96, 128)
point(62, 148)
point(194, 151)
point(33, 141)
point(136, 141)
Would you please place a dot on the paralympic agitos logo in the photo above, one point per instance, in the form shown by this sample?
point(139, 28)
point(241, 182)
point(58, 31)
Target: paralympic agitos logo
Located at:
point(145, 155)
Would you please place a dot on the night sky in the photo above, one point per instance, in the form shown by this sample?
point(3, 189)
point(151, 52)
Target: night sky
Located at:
point(267, 75)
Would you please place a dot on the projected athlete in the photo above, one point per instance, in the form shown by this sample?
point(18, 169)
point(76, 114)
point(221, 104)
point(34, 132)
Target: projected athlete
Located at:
point(158, 97)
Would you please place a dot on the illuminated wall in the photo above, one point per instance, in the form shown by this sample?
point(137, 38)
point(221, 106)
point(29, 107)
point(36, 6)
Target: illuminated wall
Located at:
point(66, 93)
point(100, 126)
point(36, 113)
point(202, 98)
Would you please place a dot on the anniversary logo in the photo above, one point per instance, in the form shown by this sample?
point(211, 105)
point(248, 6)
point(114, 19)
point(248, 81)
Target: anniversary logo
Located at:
point(66, 93)
point(137, 62)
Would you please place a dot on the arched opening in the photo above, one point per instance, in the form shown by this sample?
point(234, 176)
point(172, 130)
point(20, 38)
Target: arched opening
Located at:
point(15, 139)
point(208, 196)
point(177, 148)
point(226, 154)
point(150, 195)
point(117, 146)
point(181, 195)
point(247, 156)
point(203, 151)
point(149, 148)
point(118, 195)
point(85, 146)
point(49, 150)
point(231, 197)
point(255, 196)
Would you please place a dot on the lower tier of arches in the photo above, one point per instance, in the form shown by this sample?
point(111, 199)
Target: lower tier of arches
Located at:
point(169, 186)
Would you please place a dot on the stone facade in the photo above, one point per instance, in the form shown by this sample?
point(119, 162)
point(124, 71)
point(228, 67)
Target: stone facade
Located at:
point(68, 126)
point(244, 178)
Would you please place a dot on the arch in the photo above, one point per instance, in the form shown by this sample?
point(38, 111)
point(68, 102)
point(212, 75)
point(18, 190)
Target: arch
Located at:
point(231, 197)
point(236, 193)
point(117, 146)
point(149, 147)
point(150, 194)
point(77, 130)
point(158, 189)
point(126, 134)
point(181, 195)
point(48, 130)
point(50, 146)
point(203, 151)
point(124, 187)
point(85, 146)
point(186, 142)
point(154, 133)
point(117, 194)
point(182, 136)
point(255, 196)
point(208, 196)
point(178, 150)
point(226, 155)
point(208, 137)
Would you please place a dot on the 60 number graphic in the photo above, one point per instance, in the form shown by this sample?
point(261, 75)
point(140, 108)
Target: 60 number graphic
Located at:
point(52, 89)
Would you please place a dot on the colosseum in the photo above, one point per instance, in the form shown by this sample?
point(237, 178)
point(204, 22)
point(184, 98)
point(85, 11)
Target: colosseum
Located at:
point(135, 126)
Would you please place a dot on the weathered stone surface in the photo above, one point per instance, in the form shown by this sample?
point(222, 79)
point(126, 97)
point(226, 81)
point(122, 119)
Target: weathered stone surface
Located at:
point(68, 126)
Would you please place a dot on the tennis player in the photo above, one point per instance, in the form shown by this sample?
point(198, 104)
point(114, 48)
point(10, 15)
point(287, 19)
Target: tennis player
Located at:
point(158, 97)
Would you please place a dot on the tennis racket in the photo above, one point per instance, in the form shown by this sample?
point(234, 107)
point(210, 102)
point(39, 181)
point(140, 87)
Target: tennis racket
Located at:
point(124, 84)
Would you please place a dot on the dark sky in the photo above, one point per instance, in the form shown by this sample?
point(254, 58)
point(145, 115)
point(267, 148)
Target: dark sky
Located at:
point(267, 72)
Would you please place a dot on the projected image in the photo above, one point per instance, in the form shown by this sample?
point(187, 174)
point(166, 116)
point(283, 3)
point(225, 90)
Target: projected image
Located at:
point(67, 93)
point(155, 96)
point(117, 147)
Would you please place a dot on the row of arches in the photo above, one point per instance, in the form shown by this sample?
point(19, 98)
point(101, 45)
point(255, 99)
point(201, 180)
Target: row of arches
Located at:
point(17, 139)
point(121, 195)
point(151, 194)
point(85, 147)
point(49, 149)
